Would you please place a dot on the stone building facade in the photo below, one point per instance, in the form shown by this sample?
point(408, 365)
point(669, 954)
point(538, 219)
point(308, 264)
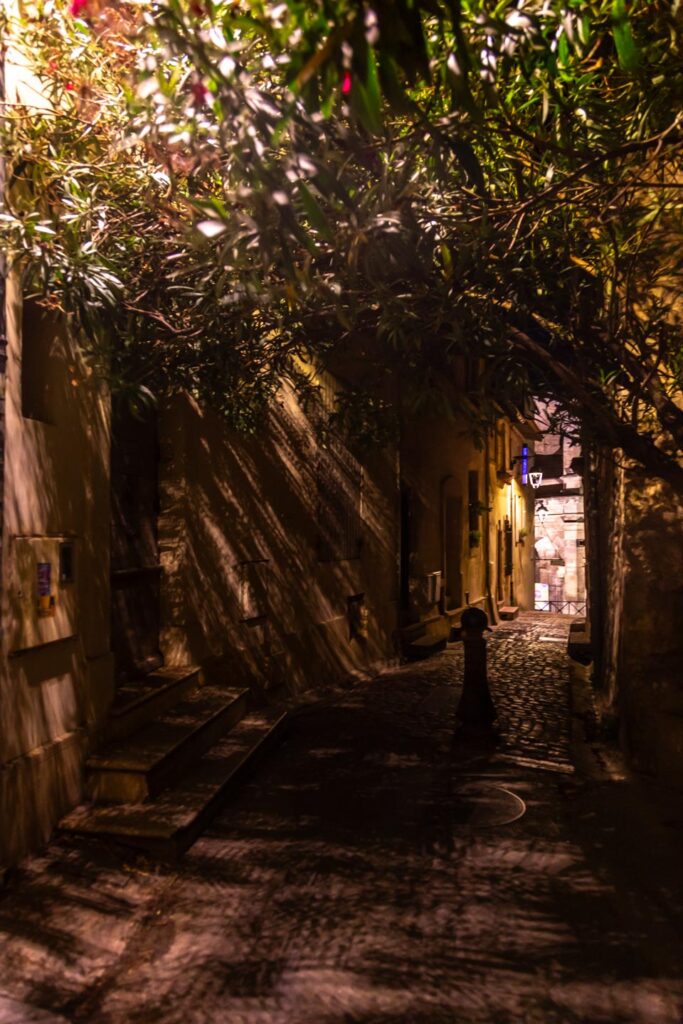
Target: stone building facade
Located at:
point(560, 542)
point(161, 542)
point(169, 543)
point(467, 523)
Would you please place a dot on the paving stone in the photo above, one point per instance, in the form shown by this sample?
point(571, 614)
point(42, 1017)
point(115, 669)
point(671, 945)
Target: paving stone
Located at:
point(349, 882)
point(14, 1012)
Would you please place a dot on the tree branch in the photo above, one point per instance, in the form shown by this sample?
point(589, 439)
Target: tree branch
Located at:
point(615, 432)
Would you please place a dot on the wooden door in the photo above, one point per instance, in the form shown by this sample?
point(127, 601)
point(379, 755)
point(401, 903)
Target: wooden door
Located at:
point(135, 569)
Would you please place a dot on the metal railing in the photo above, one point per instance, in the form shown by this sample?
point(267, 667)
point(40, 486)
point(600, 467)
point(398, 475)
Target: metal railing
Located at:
point(557, 603)
point(562, 607)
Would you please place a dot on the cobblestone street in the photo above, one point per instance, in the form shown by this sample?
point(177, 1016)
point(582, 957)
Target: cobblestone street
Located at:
point(371, 871)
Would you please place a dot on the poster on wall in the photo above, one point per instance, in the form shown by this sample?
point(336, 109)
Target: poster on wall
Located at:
point(46, 602)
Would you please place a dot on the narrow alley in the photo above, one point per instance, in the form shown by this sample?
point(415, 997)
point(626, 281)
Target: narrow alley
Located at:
point(372, 871)
point(341, 512)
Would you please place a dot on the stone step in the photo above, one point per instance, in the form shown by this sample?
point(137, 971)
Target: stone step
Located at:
point(425, 646)
point(140, 766)
point(579, 646)
point(138, 703)
point(508, 611)
point(168, 825)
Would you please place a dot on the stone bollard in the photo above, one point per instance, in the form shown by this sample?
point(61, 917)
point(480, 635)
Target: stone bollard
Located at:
point(476, 711)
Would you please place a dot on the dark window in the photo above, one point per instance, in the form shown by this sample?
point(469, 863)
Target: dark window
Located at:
point(357, 616)
point(66, 562)
point(37, 340)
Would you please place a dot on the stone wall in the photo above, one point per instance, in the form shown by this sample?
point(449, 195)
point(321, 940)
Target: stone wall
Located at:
point(560, 553)
point(279, 551)
point(604, 519)
point(446, 565)
point(651, 655)
point(635, 551)
point(56, 677)
point(462, 495)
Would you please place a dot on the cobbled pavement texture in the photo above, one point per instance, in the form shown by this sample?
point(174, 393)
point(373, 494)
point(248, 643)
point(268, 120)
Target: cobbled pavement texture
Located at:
point(347, 882)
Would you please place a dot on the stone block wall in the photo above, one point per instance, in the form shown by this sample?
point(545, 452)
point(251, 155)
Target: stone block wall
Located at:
point(635, 552)
point(651, 657)
point(271, 546)
point(56, 678)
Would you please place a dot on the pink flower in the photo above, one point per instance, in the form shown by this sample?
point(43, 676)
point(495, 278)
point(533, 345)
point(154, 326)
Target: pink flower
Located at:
point(199, 93)
point(346, 82)
point(69, 86)
point(76, 6)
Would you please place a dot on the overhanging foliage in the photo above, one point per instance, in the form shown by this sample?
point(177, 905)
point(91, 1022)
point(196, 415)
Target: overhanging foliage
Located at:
point(219, 188)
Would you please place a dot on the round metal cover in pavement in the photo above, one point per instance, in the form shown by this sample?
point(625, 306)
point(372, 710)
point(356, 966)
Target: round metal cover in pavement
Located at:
point(479, 805)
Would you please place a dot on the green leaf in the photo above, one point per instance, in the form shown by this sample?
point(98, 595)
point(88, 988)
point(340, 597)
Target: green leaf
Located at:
point(314, 211)
point(627, 50)
point(563, 50)
point(366, 100)
point(447, 260)
point(372, 78)
point(393, 90)
point(363, 109)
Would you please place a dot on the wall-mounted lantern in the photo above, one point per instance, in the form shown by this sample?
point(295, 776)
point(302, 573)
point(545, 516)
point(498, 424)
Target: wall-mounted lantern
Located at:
point(535, 478)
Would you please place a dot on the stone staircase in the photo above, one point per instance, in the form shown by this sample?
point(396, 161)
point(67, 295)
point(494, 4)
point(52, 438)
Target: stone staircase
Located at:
point(136, 703)
point(172, 751)
point(579, 643)
point(424, 646)
point(421, 640)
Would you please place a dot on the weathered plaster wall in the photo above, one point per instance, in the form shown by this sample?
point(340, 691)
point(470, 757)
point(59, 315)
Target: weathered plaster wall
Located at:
point(56, 488)
point(247, 592)
point(560, 552)
point(635, 558)
point(510, 501)
point(436, 457)
point(604, 527)
point(651, 656)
